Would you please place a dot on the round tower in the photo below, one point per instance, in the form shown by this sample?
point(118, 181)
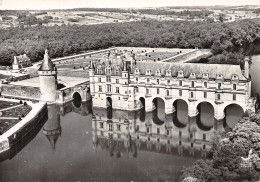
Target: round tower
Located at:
point(52, 127)
point(91, 79)
point(48, 79)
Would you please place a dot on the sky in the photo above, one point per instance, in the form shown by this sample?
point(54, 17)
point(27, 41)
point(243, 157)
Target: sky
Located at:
point(67, 4)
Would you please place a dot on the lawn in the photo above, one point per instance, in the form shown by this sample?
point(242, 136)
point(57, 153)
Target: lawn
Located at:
point(6, 104)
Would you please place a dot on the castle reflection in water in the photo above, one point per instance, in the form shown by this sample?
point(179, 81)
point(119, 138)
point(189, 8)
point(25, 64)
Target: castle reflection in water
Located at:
point(126, 132)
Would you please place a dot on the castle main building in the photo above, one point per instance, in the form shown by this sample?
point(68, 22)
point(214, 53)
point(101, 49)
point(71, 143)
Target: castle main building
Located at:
point(120, 81)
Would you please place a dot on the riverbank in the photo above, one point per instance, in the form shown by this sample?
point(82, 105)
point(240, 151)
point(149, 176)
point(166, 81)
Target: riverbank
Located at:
point(235, 155)
point(17, 123)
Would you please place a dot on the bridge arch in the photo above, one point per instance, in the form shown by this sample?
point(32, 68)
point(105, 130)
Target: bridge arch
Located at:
point(233, 113)
point(142, 113)
point(205, 118)
point(77, 99)
point(109, 103)
point(159, 110)
point(180, 116)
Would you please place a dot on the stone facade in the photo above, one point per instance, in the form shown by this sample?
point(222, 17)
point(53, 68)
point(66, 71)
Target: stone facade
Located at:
point(120, 80)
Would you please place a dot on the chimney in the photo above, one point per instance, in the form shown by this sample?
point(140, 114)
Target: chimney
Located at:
point(246, 67)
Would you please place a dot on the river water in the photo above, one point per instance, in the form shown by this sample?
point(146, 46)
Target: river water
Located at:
point(89, 144)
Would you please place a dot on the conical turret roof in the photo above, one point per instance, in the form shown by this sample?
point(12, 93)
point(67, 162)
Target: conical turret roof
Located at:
point(47, 64)
point(15, 61)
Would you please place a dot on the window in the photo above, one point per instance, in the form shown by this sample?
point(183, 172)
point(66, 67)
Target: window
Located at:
point(100, 88)
point(205, 84)
point(191, 135)
point(191, 95)
point(204, 136)
point(158, 139)
point(167, 132)
point(219, 85)
point(118, 98)
point(180, 143)
point(218, 96)
point(99, 71)
point(167, 92)
point(234, 86)
point(99, 79)
point(158, 81)
point(158, 130)
point(148, 80)
point(180, 83)
point(168, 141)
point(137, 128)
point(191, 145)
point(147, 130)
point(117, 72)
point(234, 97)
point(110, 127)
point(180, 133)
point(180, 92)
point(158, 91)
point(117, 80)
point(147, 91)
point(117, 90)
point(108, 79)
point(101, 125)
point(192, 83)
point(118, 127)
point(110, 135)
point(168, 81)
point(136, 79)
point(205, 94)
point(108, 71)
point(108, 88)
point(204, 146)
point(137, 89)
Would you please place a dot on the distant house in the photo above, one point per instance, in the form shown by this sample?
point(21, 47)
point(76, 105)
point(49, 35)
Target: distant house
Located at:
point(21, 62)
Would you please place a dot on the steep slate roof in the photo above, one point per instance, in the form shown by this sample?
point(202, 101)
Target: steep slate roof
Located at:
point(47, 64)
point(212, 69)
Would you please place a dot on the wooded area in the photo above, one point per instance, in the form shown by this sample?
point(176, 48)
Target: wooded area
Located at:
point(229, 41)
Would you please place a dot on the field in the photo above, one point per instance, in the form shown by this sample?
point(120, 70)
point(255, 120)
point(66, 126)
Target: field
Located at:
point(98, 16)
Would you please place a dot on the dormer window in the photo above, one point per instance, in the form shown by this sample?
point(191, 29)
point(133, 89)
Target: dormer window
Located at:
point(219, 76)
point(192, 75)
point(136, 71)
point(169, 73)
point(205, 75)
point(234, 77)
point(148, 72)
point(180, 73)
point(158, 72)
